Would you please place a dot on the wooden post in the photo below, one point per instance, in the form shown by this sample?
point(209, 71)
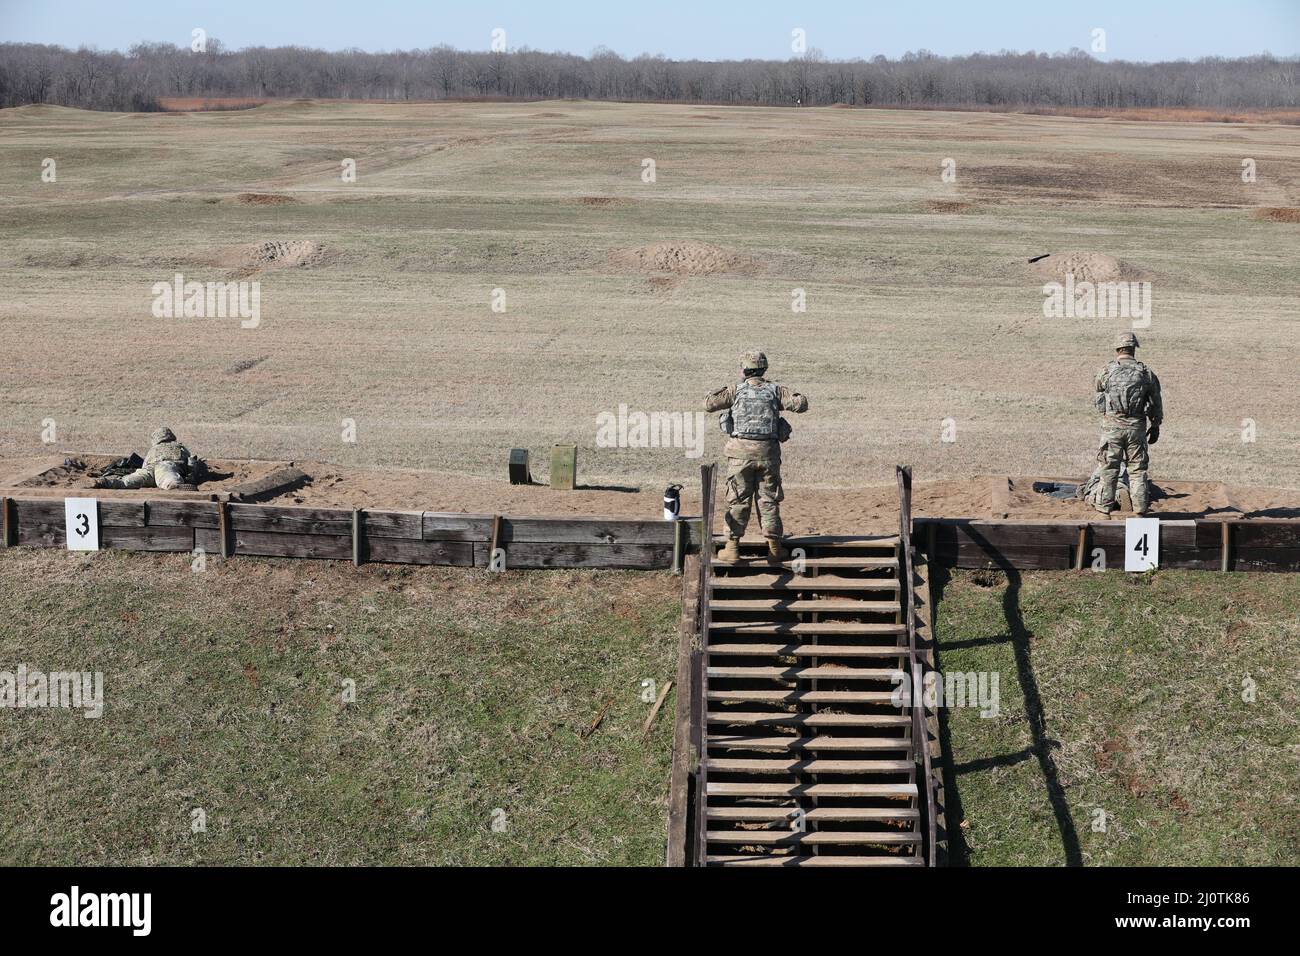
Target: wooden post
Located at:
point(5, 523)
point(223, 527)
point(679, 545)
point(496, 540)
point(1225, 536)
point(356, 537)
point(1081, 547)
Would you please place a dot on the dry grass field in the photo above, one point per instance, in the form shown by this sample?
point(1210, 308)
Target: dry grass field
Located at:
point(376, 295)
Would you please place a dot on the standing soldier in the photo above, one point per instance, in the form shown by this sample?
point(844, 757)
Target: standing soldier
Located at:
point(1128, 394)
point(753, 451)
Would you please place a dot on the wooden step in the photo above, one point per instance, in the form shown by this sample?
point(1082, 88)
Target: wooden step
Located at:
point(805, 650)
point(893, 791)
point(809, 673)
point(802, 582)
point(795, 606)
point(829, 628)
point(784, 718)
point(780, 766)
point(815, 838)
point(807, 696)
point(820, 541)
point(814, 815)
point(815, 861)
point(865, 562)
point(746, 742)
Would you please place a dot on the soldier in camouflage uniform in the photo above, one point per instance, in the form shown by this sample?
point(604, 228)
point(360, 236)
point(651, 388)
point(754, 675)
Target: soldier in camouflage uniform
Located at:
point(164, 466)
point(1128, 395)
point(753, 451)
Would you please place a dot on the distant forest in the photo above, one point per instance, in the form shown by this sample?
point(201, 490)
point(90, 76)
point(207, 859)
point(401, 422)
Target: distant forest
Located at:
point(137, 79)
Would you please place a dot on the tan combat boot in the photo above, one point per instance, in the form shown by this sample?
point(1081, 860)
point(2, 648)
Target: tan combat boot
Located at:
point(776, 551)
point(730, 551)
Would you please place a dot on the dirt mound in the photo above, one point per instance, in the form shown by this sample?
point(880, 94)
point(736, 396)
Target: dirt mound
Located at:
point(1278, 214)
point(948, 206)
point(273, 254)
point(1086, 267)
point(263, 199)
point(686, 257)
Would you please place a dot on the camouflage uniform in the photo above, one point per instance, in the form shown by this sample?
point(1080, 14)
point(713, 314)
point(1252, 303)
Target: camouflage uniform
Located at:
point(1124, 428)
point(164, 465)
point(754, 464)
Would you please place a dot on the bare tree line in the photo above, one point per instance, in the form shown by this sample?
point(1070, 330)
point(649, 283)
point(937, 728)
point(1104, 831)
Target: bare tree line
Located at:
point(137, 79)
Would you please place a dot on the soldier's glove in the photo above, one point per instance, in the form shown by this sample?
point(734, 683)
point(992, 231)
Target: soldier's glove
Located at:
point(1153, 434)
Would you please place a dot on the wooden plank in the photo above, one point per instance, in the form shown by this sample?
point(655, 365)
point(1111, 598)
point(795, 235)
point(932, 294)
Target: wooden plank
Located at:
point(815, 862)
point(280, 544)
point(1265, 559)
point(587, 531)
point(275, 483)
point(1225, 539)
point(116, 513)
point(408, 551)
point(683, 762)
point(159, 538)
point(356, 537)
point(394, 524)
point(1266, 534)
point(189, 514)
point(828, 605)
point(273, 518)
point(1081, 548)
point(800, 582)
point(443, 526)
point(536, 555)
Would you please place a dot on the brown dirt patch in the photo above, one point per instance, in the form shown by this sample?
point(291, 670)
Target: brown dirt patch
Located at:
point(601, 201)
point(949, 206)
point(1278, 214)
point(263, 199)
point(684, 257)
point(1087, 267)
point(272, 254)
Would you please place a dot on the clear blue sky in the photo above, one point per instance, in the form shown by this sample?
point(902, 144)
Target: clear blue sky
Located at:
point(680, 29)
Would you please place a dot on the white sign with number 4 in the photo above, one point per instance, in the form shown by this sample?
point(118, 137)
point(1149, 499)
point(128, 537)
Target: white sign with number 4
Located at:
point(1141, 544)
point(81, 523)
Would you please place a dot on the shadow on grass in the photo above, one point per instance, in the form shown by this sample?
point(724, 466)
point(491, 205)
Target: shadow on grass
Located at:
point(1041, 746)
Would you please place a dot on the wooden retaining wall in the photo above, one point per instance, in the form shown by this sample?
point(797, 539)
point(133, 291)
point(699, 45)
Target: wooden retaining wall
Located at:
point(397, 537)
point(1245, 545)
point(467, 540)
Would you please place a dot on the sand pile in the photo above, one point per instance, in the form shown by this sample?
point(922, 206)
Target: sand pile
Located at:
point(1087, 267)
point(684, 257)
point(273, 254)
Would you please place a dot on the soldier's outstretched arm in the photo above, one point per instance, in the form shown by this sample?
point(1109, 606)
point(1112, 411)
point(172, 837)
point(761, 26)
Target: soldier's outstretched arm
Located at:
point(791, 400)
point(722, 398)
point(1155, 404)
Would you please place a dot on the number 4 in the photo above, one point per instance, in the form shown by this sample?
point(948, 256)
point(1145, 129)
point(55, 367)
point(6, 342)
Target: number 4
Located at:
point(1142, 546)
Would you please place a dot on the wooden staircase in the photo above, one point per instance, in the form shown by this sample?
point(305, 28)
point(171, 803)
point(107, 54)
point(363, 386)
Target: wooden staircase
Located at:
point(808, 759)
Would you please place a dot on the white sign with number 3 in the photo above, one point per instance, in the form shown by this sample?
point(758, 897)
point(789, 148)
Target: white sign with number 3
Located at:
point(81, 522)
point(1141, 544)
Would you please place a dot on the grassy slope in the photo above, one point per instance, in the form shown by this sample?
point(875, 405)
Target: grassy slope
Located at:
point(223, 692)
point(1137, 688)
